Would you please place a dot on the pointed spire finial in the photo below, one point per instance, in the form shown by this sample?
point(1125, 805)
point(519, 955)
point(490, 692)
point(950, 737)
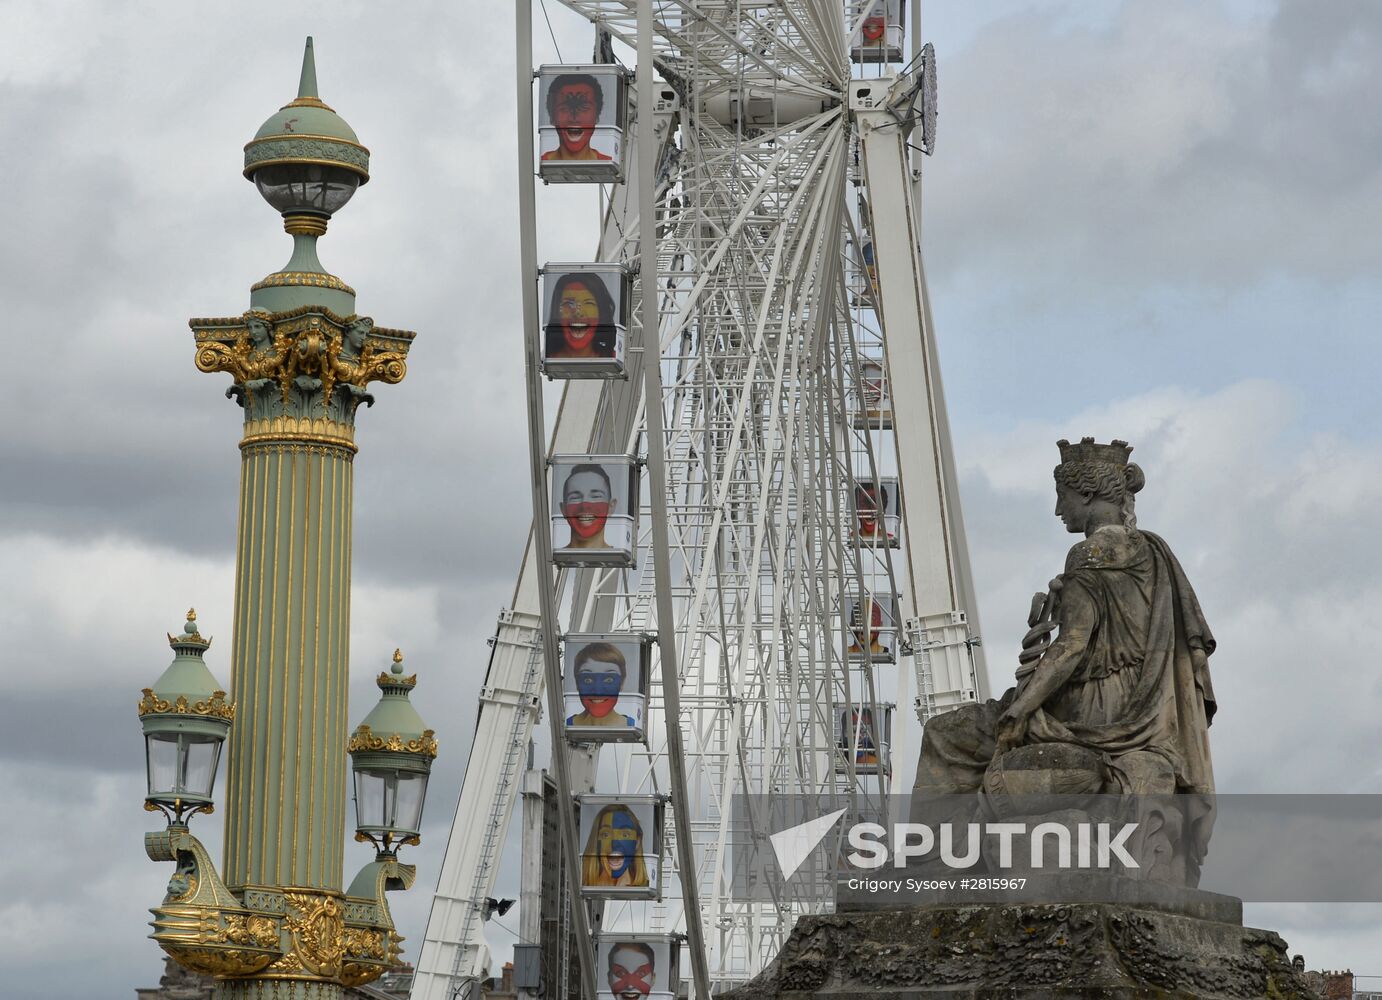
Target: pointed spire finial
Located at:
point(307, 85)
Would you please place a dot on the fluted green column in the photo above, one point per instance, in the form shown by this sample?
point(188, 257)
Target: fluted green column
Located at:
point(286, 777)
point(300, 376)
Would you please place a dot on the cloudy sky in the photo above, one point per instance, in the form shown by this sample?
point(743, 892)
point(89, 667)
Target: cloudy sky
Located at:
point(1149, 220)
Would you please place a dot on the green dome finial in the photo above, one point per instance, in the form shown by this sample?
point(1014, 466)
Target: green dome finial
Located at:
point(397, 667)
point(307, 131)
point(307, 85)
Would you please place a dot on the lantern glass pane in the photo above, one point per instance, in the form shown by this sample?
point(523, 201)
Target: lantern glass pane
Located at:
point(306, 187)
point(412, 789)
point(161, 752)
point(369, 800)
point(200, 764)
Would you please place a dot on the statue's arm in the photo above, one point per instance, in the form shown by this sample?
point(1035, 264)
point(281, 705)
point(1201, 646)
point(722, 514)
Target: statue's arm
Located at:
point(1078, 618)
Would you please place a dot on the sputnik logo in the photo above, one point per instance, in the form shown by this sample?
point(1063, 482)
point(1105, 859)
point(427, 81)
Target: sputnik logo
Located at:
point(794, 844)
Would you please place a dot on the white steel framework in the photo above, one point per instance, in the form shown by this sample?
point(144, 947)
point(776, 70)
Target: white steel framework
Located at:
point(767, 174)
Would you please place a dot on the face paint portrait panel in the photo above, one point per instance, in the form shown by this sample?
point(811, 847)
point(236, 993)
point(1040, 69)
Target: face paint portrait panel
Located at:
point(578, 115)
point(869, 747)
point(603, 688)
point(881, 34)
point(871, 628)
point(877, 511)
point(620, 845)
point(592, 509)
point(583, 315)
point(629, 967)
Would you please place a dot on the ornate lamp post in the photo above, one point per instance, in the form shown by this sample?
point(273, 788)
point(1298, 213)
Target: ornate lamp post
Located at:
point(275, 922)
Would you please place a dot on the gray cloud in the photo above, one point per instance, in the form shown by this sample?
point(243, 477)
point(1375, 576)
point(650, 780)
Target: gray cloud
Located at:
point(1158, 225)
point(1174, 143)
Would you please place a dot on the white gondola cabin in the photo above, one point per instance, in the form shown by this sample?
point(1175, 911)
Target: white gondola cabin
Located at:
point(637, 965)
point(871, 628)
point(879, 39)
point(585, 320)
point(858, 736)
point(873, 397)
point(582, 112)
point(621, 845)
point(877, 506)
point(605, 686)
point(594, 502)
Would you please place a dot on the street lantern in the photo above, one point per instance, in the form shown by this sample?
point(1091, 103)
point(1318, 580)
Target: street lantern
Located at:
point(185, 718)
point(391, 754)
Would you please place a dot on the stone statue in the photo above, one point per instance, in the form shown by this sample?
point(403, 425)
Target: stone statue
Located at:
point(1108, 720)
point(1113, 693)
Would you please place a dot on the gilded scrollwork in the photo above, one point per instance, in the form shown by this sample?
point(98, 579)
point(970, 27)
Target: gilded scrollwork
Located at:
point(219, 962)
point(216, 706)
point(250, 929)
point(317, 925)
point(364, 739)
point(361, 942)
point(313, 279)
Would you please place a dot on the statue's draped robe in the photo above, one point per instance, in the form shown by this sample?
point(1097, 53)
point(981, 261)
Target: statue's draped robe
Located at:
point(1135, 686)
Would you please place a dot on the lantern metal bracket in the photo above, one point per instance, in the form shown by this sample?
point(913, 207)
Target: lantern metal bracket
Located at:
point(204, 927)
point(200, 923)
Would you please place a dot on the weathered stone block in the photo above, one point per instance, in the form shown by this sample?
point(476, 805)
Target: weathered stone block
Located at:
point(1026, 952)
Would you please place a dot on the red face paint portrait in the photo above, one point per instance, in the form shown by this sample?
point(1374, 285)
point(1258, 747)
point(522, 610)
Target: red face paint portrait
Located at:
point(632, 970)
point(574, 102)
point(586, 503)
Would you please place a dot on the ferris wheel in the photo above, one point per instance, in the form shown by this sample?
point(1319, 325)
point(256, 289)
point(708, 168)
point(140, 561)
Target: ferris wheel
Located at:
point(747, 578)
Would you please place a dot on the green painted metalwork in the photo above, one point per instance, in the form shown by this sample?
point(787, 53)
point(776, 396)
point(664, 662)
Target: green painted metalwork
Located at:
point(306, 130)
point(187, 696)
point(300, 361)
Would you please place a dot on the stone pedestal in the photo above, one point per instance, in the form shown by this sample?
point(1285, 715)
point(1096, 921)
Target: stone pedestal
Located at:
point(1037, 951)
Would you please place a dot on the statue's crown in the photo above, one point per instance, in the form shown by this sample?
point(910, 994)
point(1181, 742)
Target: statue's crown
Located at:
point(1114, 453)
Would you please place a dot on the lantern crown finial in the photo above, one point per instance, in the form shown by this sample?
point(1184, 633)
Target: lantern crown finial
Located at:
point(189, 640)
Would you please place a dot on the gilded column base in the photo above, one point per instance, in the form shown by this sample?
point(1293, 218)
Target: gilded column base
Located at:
point(277, 942)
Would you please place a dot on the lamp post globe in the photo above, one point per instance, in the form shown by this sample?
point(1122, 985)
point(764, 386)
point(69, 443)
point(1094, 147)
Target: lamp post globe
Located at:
point(391, 754)
point(185, 718)
point(306, 162)
point(305, 159)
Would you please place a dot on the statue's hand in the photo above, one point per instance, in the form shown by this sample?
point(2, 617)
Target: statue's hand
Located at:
point(1011, 730)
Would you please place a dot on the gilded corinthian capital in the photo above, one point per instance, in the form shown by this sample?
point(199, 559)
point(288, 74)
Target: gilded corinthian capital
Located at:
point(304, 364)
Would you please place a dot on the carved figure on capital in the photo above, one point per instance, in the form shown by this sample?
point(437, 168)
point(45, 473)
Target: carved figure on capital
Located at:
point(302, 365)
